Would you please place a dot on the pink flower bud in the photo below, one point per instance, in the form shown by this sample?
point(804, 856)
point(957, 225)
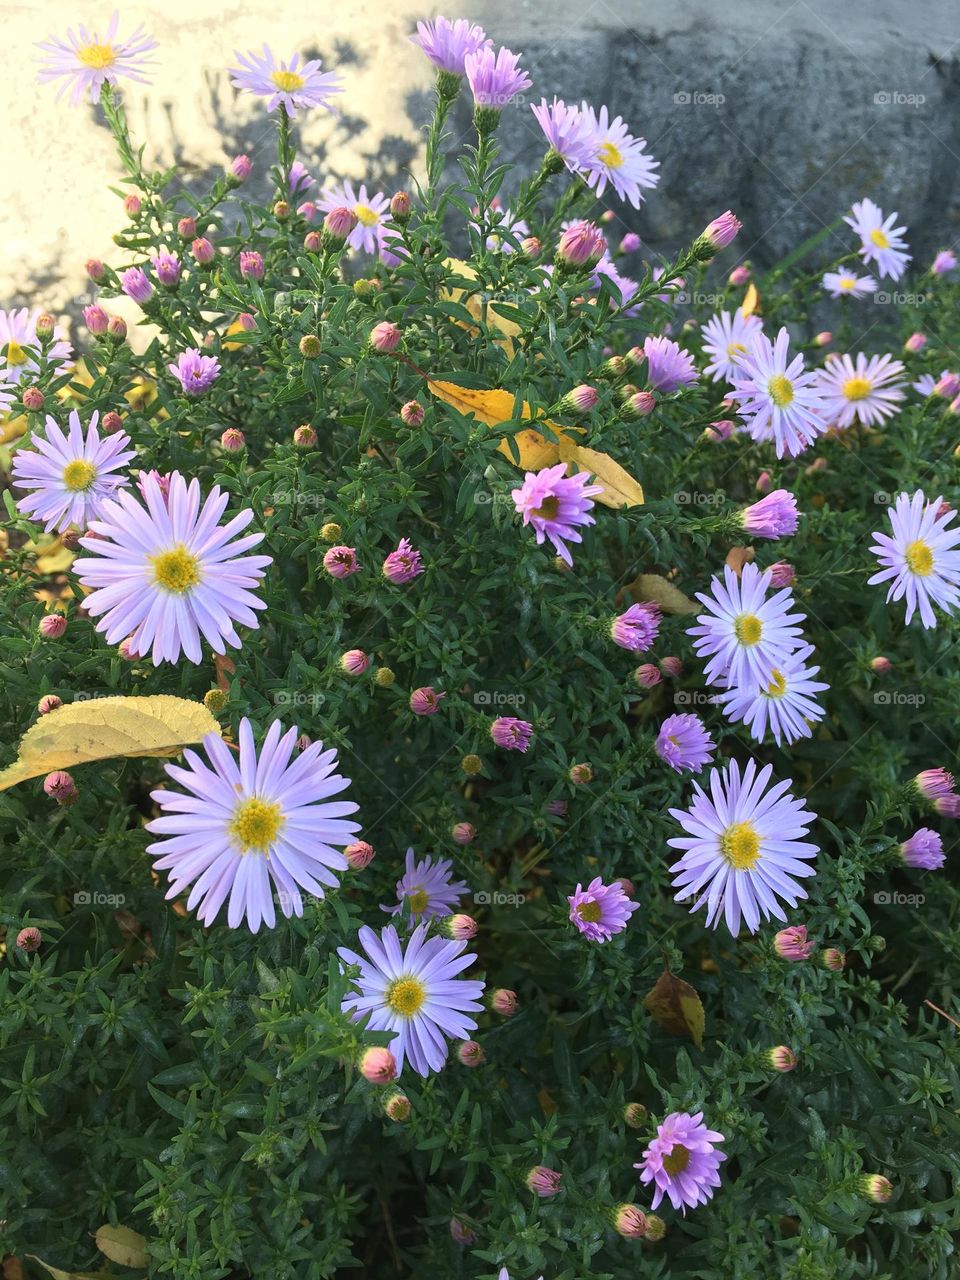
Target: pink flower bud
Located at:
point(544, 1182)
point(359, 854)
point(531, 248)
point(251, 264)
point(630, 242)
point(95, 318)
point(460, 927)
point(404, 564)
point(781, 1058)
point(792, 943)
point(126, 650)
point(202, 251)
point(504, 1002)
point(635, 1115)
point(338, 224)
point(340, 562)
point(582, 244)
point(281, 210)
point(60, 787)
point(647, 675)
point(385, 337)
point(33, 399)
point(425, 701)
point(49, 702)
point(167, 267)
point(232, 440)
point(471, 1054)
point(947, 386)
point(111, 422)
point(52, 626)
point(557, 808)
point(401, 206)
point(881, 665)
point(29, 940)
point(580, 774)
point(305, 437)
point(717, 432)
point(875, 1187)
point(240, 168)
point(117, 328)
point(833, 959)
point(916, 342)
point(630, 1221)
point(738, 276)
point(463, 832)
point(639, 404)
point(313, 242)
point(628, 887)
point(412, 413)
point(378, 1065)
point(135, 285)
point(722, 231)
point(95, 269)
point(671, 667)
point(580, 400)
point(187, 228)
point(131, 206)
point(354, 662)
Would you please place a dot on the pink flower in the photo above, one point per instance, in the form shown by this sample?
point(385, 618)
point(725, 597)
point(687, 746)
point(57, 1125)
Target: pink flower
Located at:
point(683, 743)
point(251, 264)
point(60, 786)
point(167, 268)
point(385, 337)
point(511, 734)
point(637, 628)
point(494, 78)
point(582, 244)
point(354, 662)
point(425, 701)
point(338, 224)
point(946, 260)
point(924, 850)
point(52, 626)
point(412, 413)
point(202, 251)
point(195, 373)
point(340, 562)
point(793, 944)
point(241, 168)
point(95, 318)
point(722, 231)
point(403, 564)
point(556, 505)
point(544, 1182)
point(781, 574)
point(600, 910)
point(135, 285)
point(774, 516)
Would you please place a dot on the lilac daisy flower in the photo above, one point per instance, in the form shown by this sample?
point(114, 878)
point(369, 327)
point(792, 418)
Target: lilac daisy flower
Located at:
point(926, 385)
point(844, 284)
point(682, 1162)
point(881, 241)
point(568, 131)
point(774, 516)
point(371, 209)
point(618, 158)
point(637, 628)
point(786, 706)
point(944, 262)
point(253, 826)
point(166, 573)
point(745, 635)
point(742, 848)
point(404, 564)
point(494, 78)
point(301, 180)
point(196, 373)
point(778, 400)
point(86, 62)
point(19, 344)
point(511, 734)
point(726, 337)
point(427, 889)
point(555, 505)
point(447, 43)
point(601, 910)
point(287, 85)
point(415, 992)
point(668, 365)
point(683, 743)
point(919, 560)
point(865, 391)
point(72, 476)
point(923, 851)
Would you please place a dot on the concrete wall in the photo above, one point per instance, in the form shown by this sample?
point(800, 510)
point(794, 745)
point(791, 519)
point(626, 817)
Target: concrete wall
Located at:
point(785, 111)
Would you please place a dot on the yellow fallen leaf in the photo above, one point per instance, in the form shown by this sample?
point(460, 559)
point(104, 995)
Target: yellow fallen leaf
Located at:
point(123, 1245)
point(751, 301)
point(64, 1275)
point(474, 304)
point(493, 407)
point(52, 555)
point(12, 428)
point(103, 728)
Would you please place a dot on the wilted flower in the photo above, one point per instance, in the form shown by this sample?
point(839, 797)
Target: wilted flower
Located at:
point(340, 562)
point(510, 733)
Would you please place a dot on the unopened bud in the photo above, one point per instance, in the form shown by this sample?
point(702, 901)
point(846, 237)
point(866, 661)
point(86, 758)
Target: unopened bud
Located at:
point(310, 346)
point(232, 440)
point(215, 700)
point(305, 437)
point(359, 854)
point(33, 399)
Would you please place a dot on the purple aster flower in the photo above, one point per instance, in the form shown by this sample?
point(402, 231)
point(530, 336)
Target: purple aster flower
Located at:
point(682, 1162)
point(136, 285)
point(924, 850)
point(166, 573)
point(415, 992)
point(726, 337)
point(845, 284)
point(601, 910)
point(195, 372)
point(637, 628)
point(742, 849)
point(20, 345)
point(555, 504)
point(290, 86)
point(919, 561)
point(85, 61)
point(946, 260)
point(510, 733)
point(403, 564)
point(668, 365)
point(371, 210)
point(865, 391)
point(447, 43)
point(777, 399)
point(427, 889)
point(787, 704)
point(618, 158)
point(301, 180)
point(683, 743)
point(252, 827)
point(568, 131)
point(881, 242)
point(745, 635)
point(72, 476)
point(774, 516)
point(167, 267)
point(494, 78)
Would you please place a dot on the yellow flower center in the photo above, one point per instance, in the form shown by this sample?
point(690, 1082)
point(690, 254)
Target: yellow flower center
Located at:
point(879, 238)
point(287, 81)
point(406, 996)
point(177, 570)
point(256, 825)
point(366, 215)
point(740, 846)
point(418, 901)
point(781, 390)
point(919, 558)
point(847, 282)
point(748, 628)
point(777, 686)
point(547, 509)
point(735, 348)
point(15, 354)
point(589, 912)
point(79, 475)
point(677, 1160)
point(857, 388)
point(610, 155)
point(97, 56)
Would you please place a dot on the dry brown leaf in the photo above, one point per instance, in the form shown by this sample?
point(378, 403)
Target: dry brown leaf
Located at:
point(674, 1005)
point(651, 586)
point(737, 557)
point(123, 1245)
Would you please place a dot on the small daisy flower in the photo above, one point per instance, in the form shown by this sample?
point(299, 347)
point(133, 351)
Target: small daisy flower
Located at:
point(414, 991)
point(555, 505)
point(618, 158)
point(881, 242)
point(447, 43)
point(290, 85)
point(668, 365)
point(494, 78)
point(196, 373)
point(864, 389)
point(19, 345)
point(777, 399)
point(682, 1161)
point(72, 476)
point(167, 572)
point(85, 61)
point(427, 889)
point(923, 851)
point(743, 848)
point(256, 828)
point(726, 337)
point(372, 211)
point(919, 560)
point(787, 706)
point(746, 635)
point(845, 284)
point(683, 743)
point(568, 131)
point(601, 910)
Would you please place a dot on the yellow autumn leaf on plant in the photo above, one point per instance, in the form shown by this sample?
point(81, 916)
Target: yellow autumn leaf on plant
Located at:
point(474, 304)
point(651, 586)
point(123, 1245)
point(494, 407)
point(12, 428)
point(751, 301)
point(104, 728)
point(52, 555)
